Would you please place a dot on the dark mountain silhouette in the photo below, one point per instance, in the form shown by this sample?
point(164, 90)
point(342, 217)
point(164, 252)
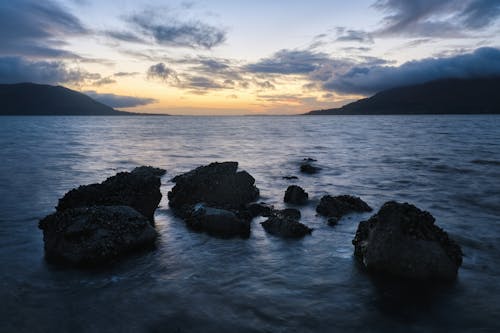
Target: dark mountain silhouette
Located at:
point(23, 99)
point(447, 96)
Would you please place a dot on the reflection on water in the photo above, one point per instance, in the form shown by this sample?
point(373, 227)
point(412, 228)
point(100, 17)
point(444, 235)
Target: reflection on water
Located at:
point(448, 165)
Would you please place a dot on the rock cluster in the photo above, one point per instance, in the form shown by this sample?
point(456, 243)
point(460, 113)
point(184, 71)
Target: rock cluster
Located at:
point(403, 240)
point(99, 222)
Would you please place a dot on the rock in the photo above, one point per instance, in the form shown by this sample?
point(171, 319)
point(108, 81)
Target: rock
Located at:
point(333, 221)
point(296, 195)
point(285, 227)
point(309, 159)
point(403, 241)
point(309, 168)
point(218, 222)
point(340, 205)
point(288, 213)
point(139, 189)
point(259, 209)
point(95, 235)
point(290, 177)
point(218, 185)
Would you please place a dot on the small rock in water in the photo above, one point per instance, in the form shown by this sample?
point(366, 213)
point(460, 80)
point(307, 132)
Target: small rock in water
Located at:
point(333, 221)
point(309, 159)
point(95, 235)
point(218, 222)
point(309, 168)
point(292, 213)
point(296, 195)
point(402, 240)
point(259, 209)
point(290, 177)
point(286, 227)
point(340, 205)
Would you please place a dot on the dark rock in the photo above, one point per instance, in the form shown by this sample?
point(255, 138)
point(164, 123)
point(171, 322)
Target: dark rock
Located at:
point(291, 213)
point(402, 240)
point(259, 209)
point(309, 168)
point(296, 195)
point(290, 177)
point(340, 205)
point(333, 221)
point(139, 189)
point(218, 222)
point(309, 159)
point(218, 185)
point(95, 235)
point(285, 227)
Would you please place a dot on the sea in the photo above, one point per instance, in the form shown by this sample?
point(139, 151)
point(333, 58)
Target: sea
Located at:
point(192, 282)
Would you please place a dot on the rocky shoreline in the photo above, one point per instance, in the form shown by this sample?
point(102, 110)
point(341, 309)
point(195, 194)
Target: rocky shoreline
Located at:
point(99, 223)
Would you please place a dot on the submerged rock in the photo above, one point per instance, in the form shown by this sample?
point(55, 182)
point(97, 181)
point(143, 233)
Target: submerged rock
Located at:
point(217, 185)
point(95, 235)
point(309, 168)
point(340, 205)
point(139, 189)
point(296, 195)
point(285, 226)
point(403, 240)
point(218, 222)
point(290, 177)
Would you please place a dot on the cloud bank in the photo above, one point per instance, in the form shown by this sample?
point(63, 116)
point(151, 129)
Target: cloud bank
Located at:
point(119, 101)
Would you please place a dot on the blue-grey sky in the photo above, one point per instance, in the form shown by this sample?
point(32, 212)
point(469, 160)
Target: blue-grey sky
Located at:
point(234, 57)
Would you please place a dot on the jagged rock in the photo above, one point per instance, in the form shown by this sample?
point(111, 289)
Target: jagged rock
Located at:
point(218, 222)
point(95, 235)
point(218, 185)
point(139, 189)
point(259, 209)
point(284, 226)
point(403, 240)
point(309, 168)
point(296, 195)
point(340, 205)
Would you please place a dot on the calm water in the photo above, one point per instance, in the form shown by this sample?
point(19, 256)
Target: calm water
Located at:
point(449, 165)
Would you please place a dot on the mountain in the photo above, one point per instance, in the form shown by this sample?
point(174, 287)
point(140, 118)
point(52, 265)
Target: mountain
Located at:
point(446, 96)
point(22, 99)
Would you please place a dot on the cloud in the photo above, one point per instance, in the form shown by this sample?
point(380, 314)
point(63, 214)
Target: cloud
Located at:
point(36, 29)
point(289, 62)
point(370, 79)
point(436, 18)
point(104, 81)
point(119, 101)
point(18, 69)
point(162, 72)
point(350, 35)
point(125, 74)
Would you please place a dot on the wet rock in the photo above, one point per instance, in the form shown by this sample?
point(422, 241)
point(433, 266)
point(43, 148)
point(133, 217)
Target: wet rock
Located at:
point(309, 159)
point(402, 240)
point(340, 205)
point(218, 185)
point(95, 235)
point(284, 226)
point(291, 213)
point(139, 189)
point(333, 221)
point(309, 168)
point(296, 195)
point(259, 209)
point(218, 222)
point(290, 177)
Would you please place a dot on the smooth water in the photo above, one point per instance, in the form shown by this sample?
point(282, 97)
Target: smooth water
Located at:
point(448, 165)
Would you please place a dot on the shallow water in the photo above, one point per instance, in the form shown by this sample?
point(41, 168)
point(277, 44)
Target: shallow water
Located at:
point(448, 165)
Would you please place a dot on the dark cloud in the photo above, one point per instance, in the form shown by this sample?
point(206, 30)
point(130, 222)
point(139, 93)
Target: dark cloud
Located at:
point(119, 101)
point(125, 74)
point(162, 72)
point(202, 83)
point(104, 81)
point(18, 69)
point(265, 85)
point(368, 80)
point(289, 62)
point(349, 35)
point(436, 18)
point(36, 29)
point(171, 32)
point(124, 36)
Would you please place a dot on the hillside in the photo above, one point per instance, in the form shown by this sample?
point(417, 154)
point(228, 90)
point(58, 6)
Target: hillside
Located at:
point(448, 96)
point(39, 99)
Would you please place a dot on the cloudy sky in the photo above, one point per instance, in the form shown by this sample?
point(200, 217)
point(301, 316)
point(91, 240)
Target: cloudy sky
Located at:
point(244, 57)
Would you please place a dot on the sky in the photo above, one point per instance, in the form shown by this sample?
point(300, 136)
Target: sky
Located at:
point(219, 57)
